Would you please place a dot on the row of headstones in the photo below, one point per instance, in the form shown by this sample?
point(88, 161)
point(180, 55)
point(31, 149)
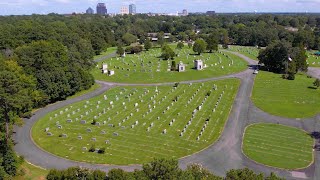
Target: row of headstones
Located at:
point(203, 129)
point(215, 87)
point(187, 125)
point(195, 94)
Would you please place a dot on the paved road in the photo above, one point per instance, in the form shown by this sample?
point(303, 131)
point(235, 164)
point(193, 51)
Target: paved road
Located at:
point(220, 157)
point(105, 57)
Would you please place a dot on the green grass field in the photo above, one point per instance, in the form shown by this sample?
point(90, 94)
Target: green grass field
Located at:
point(278, 146)
point(280, 97)
point(156, 110)
point(251, 52)
point(31, 172)
point(313, 61)
point(147, 67)
point(110, 50)
point(93, 87)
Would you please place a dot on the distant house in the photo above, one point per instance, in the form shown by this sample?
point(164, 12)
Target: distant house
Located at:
point(154, 36)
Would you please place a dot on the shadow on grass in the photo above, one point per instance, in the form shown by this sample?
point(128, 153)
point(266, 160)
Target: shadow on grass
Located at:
point(316, 135)
point(311, 87)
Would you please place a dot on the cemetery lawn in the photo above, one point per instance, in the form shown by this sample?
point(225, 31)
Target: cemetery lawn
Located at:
point(92, 88)
point(281, 97)
point(110, 50)
point(313, 61)
point(147, 67)
point(278, 146)
point(134, 133)
point(249, 51)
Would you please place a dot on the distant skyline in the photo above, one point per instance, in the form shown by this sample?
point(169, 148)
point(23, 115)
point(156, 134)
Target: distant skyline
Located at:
point(19, 7)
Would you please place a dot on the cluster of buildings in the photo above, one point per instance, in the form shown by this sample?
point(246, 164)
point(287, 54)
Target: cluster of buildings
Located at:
point(131, 9)
point(102, 9)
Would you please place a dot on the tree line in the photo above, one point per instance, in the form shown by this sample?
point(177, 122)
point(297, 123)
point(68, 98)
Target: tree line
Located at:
point(159, 169)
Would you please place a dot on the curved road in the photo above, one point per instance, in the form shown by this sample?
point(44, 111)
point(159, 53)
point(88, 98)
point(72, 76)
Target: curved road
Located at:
point(220, 157)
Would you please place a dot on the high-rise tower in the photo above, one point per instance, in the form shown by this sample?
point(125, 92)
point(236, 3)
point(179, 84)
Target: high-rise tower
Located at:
point(101, 9)
point(132, 9)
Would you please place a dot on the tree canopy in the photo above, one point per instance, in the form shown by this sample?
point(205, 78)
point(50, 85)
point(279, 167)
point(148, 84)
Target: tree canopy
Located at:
point(199, 46)
point(167, 52)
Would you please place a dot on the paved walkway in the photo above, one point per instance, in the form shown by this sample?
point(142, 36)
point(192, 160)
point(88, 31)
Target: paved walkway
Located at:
point(220, 157)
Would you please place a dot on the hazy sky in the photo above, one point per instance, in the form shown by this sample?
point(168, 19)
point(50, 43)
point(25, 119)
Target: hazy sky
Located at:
point(8, 7)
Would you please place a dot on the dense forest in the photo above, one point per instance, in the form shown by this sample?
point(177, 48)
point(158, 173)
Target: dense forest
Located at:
point(46, 58)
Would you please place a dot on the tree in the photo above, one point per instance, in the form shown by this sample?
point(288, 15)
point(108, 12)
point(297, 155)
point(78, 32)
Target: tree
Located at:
point(316, 83)
point(98, 175)
point(246, 174)
point(147, 44)
point(120, 50)
point(180, 45)
point(199, 46)
point(129, 38)
point(275, 56)
point(117, 174)
point(173, 66)
point(212, 43)
point(190, 45)
point(54, 174)
point(162, 169)
point(17, 93)
point(57, 75)
point(196, 171)
point(167, 53)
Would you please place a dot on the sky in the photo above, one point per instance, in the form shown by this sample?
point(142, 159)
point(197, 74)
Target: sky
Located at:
point(19, 7)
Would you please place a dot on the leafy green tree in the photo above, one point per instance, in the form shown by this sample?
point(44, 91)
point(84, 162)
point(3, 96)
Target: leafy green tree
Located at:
point(117, 174)
point(273, 177)
point(57, 76)
point(180, 45)
point(182, 36)
point(198, 172)
point(147, 44)
point(98, 175)
point(316, 83)
point(162, 169)
point(17, 93)
point(199, 46)
point(212, 42)
point(246, 174)
point(275, 56)
point(10, 161)
point(190, 45)
point(167, 53)
point(54, 174)
point(129, 38)
point(300, 59)
point(120, 50)
point(76, 173)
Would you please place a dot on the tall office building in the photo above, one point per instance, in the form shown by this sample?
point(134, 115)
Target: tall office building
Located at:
point(89, 11)
point(101, 9)
point(132, 9)
point(124, 10)
point(185, 12)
